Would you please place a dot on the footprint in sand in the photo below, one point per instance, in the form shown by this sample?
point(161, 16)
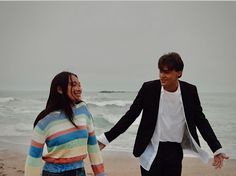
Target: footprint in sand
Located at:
point(20, 171)
point(1, 165)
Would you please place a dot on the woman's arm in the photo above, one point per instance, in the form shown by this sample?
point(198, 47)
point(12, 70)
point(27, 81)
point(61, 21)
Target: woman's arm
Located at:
point(33, 165)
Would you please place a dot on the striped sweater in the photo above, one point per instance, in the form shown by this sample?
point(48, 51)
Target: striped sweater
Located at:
point(67, 145)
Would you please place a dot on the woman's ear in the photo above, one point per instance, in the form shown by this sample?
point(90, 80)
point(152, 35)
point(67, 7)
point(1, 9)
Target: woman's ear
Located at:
point(59, 90)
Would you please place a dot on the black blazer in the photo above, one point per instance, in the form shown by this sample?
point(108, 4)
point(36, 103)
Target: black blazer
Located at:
point(148, 100)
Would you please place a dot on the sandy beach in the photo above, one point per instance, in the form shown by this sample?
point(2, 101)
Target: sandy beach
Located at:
point(117, 164)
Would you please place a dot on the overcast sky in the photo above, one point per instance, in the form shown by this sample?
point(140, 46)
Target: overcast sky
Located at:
point(116, 45)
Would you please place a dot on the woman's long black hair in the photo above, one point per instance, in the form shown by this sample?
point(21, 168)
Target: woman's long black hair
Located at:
point(58, 101)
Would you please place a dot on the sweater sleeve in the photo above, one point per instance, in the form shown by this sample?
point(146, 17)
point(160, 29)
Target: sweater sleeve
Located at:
point(94, 152)
point(33, 165)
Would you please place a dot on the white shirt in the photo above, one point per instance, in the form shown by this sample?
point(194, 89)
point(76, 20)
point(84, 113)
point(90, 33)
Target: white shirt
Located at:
point(170, 125)
point(171, 118)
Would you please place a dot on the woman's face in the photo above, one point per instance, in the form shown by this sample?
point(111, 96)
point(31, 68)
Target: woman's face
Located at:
point(74, 90)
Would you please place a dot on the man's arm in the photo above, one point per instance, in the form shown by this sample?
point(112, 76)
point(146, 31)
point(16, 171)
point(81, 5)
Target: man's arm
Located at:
point(124, 123)
point(102, 141)
point(204, 126)
point(209, 136)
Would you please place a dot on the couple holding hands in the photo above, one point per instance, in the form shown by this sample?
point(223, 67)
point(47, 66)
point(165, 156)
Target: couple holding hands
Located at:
point(171, 114)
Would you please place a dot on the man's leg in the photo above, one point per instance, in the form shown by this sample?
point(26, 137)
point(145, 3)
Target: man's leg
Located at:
point(168, 161)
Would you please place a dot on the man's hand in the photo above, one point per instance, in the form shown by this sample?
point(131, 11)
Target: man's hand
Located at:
point(101, 145)
point(218, 160)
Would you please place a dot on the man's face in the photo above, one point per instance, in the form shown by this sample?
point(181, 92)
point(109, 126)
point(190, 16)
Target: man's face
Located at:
point(169, 78)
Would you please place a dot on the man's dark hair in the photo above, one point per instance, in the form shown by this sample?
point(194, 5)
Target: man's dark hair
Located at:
point(171, 61)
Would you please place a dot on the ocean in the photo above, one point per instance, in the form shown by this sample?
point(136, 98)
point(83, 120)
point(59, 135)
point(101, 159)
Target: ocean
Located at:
point(18, 110)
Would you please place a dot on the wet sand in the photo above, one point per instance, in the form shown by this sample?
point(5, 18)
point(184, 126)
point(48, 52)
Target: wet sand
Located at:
point(117, 164)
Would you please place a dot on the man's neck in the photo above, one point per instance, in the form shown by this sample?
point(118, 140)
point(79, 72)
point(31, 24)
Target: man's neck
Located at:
point(172, 88)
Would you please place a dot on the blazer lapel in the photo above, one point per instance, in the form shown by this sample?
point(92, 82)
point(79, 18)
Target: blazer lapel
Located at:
point(185, 99)
point(156, 101)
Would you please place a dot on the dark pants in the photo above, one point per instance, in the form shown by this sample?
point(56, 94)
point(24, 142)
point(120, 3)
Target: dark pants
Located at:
point(168, 161)
point(76, 172)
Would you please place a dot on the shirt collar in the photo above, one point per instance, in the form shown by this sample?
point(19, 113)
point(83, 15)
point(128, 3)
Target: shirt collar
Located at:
point(177, 92)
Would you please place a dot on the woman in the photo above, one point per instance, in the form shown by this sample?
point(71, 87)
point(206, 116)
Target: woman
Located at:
point(66, 126)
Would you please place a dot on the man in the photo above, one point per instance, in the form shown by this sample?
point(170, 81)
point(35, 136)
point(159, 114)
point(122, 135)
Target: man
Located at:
point(171, 114)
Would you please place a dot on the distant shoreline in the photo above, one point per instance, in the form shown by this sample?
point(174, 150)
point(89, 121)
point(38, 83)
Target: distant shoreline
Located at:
point(112, 91)
point(105, 91)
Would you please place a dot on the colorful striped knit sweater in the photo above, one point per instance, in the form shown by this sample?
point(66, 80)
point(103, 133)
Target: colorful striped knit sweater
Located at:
point(67, 145)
